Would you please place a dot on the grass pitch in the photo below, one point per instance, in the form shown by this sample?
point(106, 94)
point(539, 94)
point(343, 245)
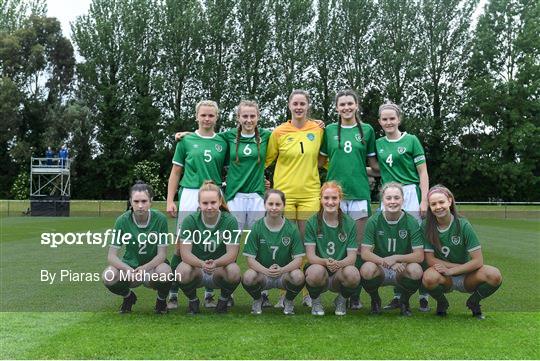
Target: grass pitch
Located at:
point(79, 320)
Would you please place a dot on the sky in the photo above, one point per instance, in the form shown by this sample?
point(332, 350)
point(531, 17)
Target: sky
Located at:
point(67, 11)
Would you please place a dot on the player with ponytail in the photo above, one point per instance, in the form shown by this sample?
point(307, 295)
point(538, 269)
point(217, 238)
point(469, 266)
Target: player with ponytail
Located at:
point(208, 247)
point(349, 146)
point(143, 257)
point(454, 255)
point(331, 247)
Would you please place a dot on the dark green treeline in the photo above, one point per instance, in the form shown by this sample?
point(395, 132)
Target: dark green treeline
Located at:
point(469, 89)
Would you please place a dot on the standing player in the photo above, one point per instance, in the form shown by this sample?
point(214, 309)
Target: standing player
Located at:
point(295, 146)
point(402, 160)
point(454, 255)
point(245, 174)
point(274, 253)
point(146, 252)
point(247, 146)
point(208, 248)
point(331, 252)
point(346, 146)
point(200, 156)
point(392, 250)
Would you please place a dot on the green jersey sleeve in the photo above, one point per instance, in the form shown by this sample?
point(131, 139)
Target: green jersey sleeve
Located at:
point(428, 247)
point(417, 236)
point(370, 232)
point(471, 239)
point(232, 226)
point(163, 230)
point(311, 233)
point(324, 149)
point(251, 248)
point(179, 154)
point(351, 241)
point(188, 226)
point(298, 249)
point(119, 226)
point(418, 152)
point(370, 142)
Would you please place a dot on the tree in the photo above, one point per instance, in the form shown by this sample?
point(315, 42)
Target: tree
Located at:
point(327, 58)
point(99, 37)
point(252, 61)
point(291, 31)
point(503, 99)
point(444, 41)
point(218, 53)
point(37, 66)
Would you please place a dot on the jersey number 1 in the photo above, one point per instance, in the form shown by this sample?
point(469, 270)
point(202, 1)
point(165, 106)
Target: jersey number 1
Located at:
point(391, 244)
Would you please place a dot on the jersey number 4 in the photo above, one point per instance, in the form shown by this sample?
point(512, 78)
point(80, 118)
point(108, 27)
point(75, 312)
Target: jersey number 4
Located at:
point(389, 160)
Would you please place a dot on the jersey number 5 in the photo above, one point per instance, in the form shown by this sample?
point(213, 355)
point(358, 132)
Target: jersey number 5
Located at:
point(207, 156)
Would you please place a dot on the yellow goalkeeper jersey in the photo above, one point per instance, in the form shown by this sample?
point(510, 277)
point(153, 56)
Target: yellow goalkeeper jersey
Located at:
point(297, 152)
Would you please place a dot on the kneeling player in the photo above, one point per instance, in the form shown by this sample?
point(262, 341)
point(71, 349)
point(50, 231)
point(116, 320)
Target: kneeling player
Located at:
point(274, 253)
point(145, 258)
point(208, 247)
point(331, 252)
point(392, 250)
point(454, 255)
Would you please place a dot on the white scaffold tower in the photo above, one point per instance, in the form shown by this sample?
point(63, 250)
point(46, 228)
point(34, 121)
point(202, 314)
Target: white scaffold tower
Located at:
point(50, 186)
point(50, 177)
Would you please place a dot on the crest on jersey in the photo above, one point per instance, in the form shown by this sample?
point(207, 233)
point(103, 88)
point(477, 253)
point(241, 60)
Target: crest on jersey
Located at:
point(219, 148)
point(381, 150)
point(311, 136)
point(401, 150)
point(455, 240)
point(195, 146)
point(381, 233)
point(402, 233)
point(290, 139)
point(234, 140)
point(320, 236)
point(342, 237)
point(336, 137)
point(286, 241)
point(263, 241)
point(358, 137)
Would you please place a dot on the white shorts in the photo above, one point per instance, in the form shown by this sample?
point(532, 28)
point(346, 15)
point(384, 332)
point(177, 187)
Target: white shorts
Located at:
point(389, 277)
point(410, 201)
point(330, 283)
point(355, 208)
point(207, 281)
point(458, 284)
point(189, 203)
point(273, 282)
point(247, 208)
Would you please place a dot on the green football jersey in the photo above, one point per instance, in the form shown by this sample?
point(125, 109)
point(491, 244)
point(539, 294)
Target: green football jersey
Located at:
point(457, 241)
point(390, 238)
point(399, 158)
point(347, 164)
point(331, 242)
point(274, 247)
point(210, 242)
point(145, 240)
point(202, 158)
point(246, 175)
